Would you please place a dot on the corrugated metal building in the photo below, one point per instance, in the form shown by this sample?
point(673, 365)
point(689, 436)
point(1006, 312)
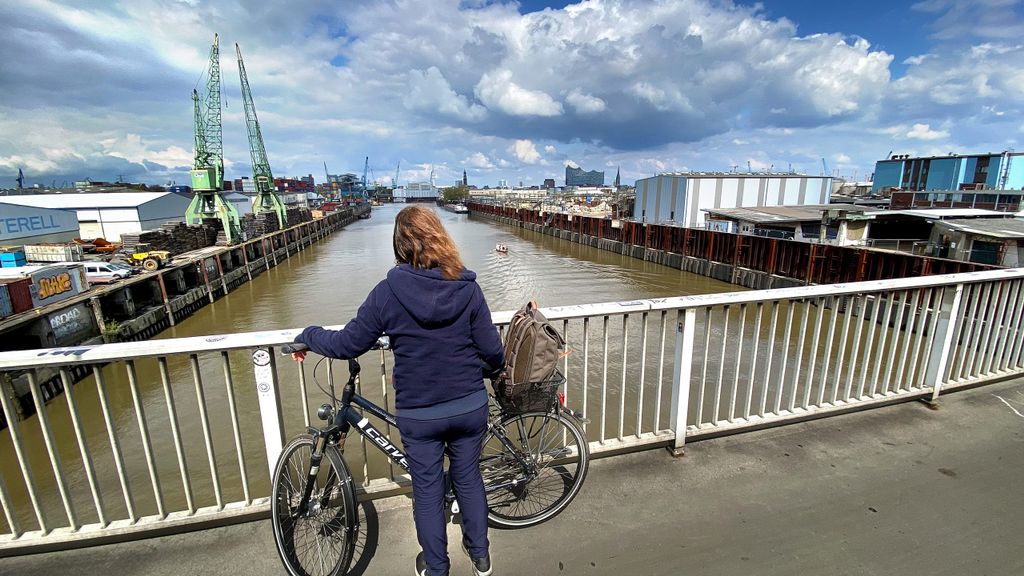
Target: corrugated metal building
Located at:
point(998, 241)
point(111, 214)
point(21, 225)
point(682, 197)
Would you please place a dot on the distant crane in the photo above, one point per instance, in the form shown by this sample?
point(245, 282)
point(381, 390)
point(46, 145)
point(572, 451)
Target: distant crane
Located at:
point(824, 168)
point(267, 199)
point(207, 172)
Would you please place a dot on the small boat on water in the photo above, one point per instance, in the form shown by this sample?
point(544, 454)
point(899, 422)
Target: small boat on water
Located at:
point(501, 249)
point(458, 208)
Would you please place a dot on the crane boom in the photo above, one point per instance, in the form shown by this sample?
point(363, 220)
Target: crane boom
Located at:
point(266, 196)
point(207, 174)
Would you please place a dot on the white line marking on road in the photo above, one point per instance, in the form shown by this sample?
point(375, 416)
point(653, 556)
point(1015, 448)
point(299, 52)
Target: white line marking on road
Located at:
point(1008, 405)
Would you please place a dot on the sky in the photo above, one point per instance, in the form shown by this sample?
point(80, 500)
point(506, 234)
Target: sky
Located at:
point(505, 90)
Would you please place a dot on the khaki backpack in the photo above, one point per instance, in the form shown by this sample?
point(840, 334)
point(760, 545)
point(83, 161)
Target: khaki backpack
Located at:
point(532, 347)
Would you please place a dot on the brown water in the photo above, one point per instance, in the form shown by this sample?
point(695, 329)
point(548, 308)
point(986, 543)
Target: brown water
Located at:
point(321, 285)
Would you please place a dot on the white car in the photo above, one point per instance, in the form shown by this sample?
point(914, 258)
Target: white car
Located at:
point(105, 272)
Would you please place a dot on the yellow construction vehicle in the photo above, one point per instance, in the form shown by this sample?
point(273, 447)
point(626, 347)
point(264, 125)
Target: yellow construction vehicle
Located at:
point(149, 259)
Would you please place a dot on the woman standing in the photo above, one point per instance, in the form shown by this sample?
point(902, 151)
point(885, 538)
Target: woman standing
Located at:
point(444, 343)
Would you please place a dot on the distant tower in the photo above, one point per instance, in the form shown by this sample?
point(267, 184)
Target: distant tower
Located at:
point(465, 181)
point(618, 180)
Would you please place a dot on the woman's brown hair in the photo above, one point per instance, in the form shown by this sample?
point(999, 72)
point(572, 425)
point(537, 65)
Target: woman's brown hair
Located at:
point(421, 241)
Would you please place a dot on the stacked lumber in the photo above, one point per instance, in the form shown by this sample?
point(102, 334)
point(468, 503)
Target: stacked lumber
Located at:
point(175, 237)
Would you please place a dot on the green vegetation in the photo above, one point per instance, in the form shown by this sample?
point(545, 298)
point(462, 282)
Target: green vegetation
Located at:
point(455, 194)
point(111, 330)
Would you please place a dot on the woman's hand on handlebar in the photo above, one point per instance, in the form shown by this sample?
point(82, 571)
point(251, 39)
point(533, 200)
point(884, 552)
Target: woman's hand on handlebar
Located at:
point(297, 350)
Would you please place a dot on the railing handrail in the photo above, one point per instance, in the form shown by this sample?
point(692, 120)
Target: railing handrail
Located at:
point(102, 353)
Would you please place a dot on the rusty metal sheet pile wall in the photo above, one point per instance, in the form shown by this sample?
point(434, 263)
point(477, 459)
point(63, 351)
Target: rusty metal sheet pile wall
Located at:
point(811, 263)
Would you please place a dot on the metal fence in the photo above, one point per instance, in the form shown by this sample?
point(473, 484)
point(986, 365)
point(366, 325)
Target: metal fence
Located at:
point(176, 434)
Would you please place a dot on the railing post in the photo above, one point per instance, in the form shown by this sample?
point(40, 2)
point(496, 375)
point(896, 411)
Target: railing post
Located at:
point(265, 369)
point(685, 327)
point(942, 341)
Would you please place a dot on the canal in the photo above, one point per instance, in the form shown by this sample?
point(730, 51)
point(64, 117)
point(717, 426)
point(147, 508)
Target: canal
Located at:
point(324, 284)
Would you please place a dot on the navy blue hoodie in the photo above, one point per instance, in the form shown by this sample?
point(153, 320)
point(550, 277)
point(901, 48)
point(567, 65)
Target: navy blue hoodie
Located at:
point(441, 333)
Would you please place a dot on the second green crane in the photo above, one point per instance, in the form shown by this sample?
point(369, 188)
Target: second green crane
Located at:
point(267, 199)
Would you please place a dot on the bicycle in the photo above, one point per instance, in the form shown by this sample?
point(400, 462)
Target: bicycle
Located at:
point(526, 459)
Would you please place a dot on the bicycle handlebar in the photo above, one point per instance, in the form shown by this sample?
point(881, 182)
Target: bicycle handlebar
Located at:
point(382, 343)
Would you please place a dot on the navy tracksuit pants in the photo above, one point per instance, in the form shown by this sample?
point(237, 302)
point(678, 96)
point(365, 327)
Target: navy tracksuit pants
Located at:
point(426, 443)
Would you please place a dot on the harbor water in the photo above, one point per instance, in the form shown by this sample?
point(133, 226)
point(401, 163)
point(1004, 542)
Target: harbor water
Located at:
point(322, 285)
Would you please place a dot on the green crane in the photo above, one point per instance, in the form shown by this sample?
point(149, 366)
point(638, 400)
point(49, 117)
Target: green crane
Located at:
point(266, 196)
point(208, 167)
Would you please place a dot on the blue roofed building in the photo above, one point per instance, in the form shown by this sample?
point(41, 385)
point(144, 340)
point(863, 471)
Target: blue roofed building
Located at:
point(1001, 171)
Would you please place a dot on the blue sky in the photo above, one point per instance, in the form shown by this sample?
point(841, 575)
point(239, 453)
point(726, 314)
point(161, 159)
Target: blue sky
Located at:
point(516, 91)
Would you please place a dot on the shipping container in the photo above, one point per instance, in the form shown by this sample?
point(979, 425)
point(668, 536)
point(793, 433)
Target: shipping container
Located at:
point(53, 253)
point(51, 284)
point(20, 293)
point(12, 258)
point(5, 302)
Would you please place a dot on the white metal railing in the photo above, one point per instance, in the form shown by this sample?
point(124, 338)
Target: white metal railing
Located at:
point(172, 434)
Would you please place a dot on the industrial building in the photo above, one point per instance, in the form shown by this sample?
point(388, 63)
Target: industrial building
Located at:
point(1000, 200)
point(839, 224)
point(21, 225)
point(416, 192)
point(998, 241)
point(682, 197)
point(1002, 171)
point(111, 214)
point(581, 177)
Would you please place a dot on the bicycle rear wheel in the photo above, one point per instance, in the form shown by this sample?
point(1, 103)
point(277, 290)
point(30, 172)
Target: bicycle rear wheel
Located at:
point(319, 542)
point(533, 465)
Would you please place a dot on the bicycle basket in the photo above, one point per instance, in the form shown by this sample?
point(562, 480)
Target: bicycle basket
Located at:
point(520, 397)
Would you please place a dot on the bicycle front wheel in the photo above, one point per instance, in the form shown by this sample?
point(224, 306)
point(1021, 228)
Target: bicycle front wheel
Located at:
point(319, 541)
point(533, 465)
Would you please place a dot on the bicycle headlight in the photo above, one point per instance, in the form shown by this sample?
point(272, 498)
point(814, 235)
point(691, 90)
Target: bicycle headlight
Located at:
point(325, 412)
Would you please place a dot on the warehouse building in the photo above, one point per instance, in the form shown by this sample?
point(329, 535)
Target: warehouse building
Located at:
point(20, 225)
point(683, 197)
point(111, 214)
point(1002, 171)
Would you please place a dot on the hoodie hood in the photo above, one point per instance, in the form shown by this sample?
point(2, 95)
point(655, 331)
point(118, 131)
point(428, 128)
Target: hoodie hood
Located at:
point(430, 298)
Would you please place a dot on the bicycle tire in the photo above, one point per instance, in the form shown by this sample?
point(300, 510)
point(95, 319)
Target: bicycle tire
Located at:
point(330, 532)
point(548, 442)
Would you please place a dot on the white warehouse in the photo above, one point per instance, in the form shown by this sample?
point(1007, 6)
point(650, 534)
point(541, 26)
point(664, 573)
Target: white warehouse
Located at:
point(681, 197)
point(110, 214)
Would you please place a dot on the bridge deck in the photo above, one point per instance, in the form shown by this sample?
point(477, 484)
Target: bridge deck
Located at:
point(897, 490)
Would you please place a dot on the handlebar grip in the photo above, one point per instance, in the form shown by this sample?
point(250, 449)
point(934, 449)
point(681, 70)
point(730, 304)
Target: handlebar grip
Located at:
point(293, 347)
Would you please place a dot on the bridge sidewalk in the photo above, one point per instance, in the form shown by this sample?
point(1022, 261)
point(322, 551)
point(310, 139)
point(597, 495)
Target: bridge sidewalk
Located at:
point(899, 490)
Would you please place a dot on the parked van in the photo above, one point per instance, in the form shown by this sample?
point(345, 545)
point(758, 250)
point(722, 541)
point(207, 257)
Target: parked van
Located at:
point(104, 272)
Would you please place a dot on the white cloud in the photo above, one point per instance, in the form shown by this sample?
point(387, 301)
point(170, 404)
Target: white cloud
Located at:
point(132, 148)
point(497, 90)
point(842, 158)
point(430, 91)
point(924, 132)
point(466, 82)
point(525, 151)
point(478, 160)
point(585, 103)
